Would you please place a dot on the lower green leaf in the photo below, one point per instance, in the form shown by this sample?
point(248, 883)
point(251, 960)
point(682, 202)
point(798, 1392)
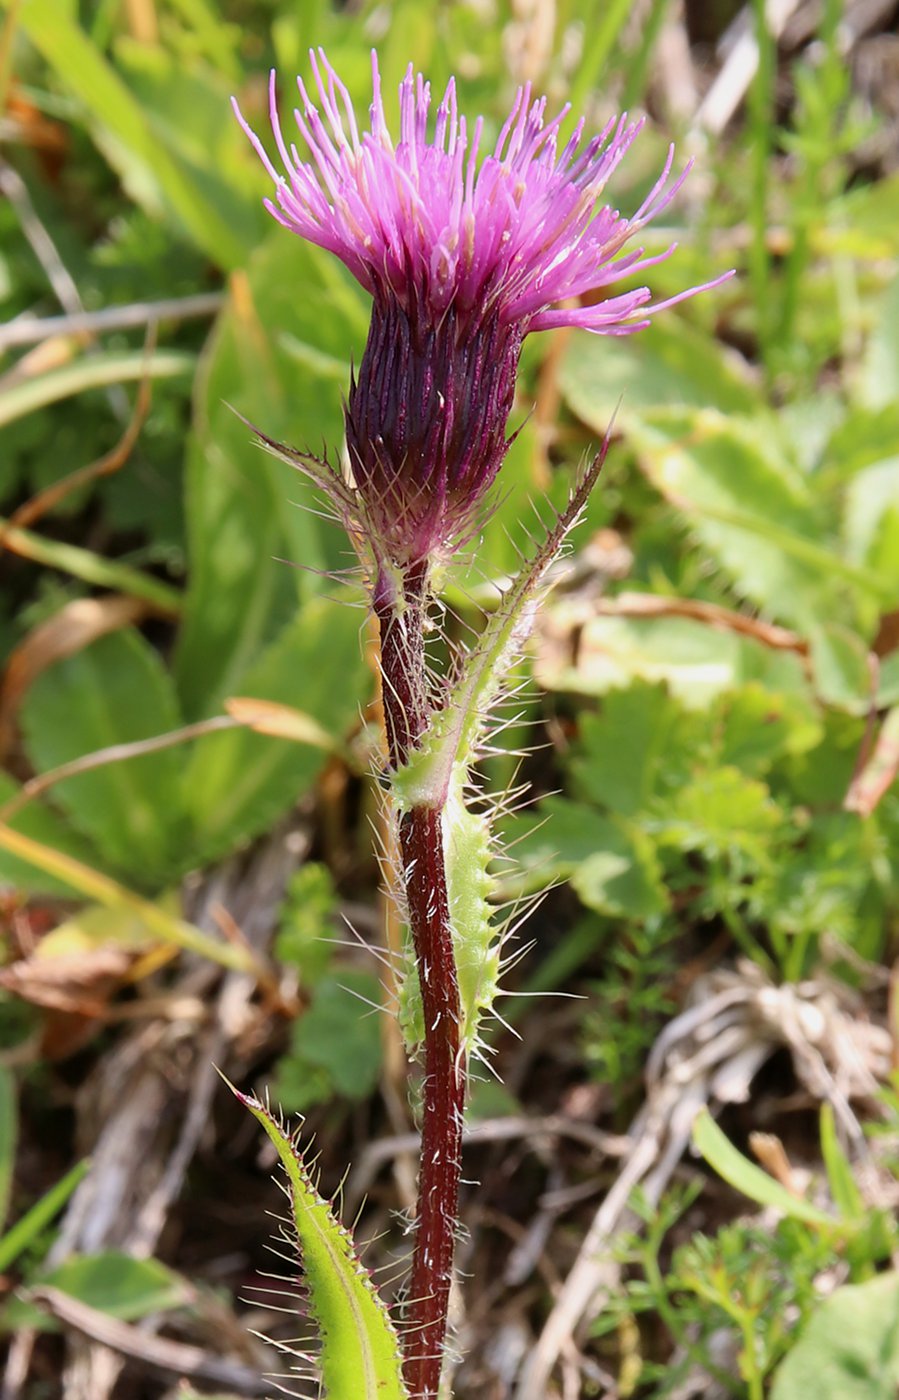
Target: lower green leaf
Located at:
point(360, 1354)
point(850, 1349)
point(239, 782)
point(112, 1282)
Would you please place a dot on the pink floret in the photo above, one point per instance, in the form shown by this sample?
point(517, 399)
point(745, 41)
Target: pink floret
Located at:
point(517, 235)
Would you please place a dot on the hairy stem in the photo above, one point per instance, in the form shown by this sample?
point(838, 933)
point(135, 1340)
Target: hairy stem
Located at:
point(402, 618)
point(443, 1101)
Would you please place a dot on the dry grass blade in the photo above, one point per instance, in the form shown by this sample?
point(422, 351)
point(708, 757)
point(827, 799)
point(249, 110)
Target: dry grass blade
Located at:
point(147, 1104)
point(33, 330)
point(67, 632)
point(278, 721)
point(709, 1055)
point(95, 885)
point(738, 70)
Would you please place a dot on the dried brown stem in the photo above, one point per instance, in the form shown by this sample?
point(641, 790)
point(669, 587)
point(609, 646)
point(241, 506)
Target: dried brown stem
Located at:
point(657, 605)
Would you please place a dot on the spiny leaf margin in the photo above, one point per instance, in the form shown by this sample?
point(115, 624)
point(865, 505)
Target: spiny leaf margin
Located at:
point(437, 774)
point(360, 1354)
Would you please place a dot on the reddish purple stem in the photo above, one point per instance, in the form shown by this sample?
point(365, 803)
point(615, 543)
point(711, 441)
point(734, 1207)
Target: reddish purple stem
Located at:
point(407, 710)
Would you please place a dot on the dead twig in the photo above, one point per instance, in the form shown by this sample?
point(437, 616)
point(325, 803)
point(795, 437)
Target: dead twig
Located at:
point(161, 1353)
point(47, 254)
point(18, 1362)
point(32, 330)
point(708, 1055)
point(713, 614)
point(488, 1130)
point(42, 245)
point(735, 76)
point(116, 753)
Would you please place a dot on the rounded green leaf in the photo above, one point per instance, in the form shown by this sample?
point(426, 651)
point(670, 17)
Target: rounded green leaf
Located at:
point(115, 691)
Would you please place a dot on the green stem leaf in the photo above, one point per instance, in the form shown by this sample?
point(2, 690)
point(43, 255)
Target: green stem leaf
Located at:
point(360, 1355)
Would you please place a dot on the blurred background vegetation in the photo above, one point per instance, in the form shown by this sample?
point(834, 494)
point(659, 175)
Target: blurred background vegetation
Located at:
point(712, 727)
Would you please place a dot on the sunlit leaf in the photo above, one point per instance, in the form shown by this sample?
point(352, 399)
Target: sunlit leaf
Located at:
point(671, 365)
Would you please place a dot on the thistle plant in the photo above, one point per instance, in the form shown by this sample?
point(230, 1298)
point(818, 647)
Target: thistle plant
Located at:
point(463, 258)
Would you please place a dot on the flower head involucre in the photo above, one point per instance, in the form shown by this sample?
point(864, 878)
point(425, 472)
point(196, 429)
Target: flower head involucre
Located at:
point(463, 258)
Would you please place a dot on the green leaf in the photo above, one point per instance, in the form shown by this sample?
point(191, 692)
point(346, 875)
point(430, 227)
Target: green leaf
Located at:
point(846, 1196)
point(871, 526)
point(187, 111)
point(306, 928)
point(360, 1354)
point(840, 879)
point(93, 884)
point(280, 357)
point(32, 1224)
point(721, 812)
point(865, 438)
point(820, 777)
point(114, 691)
point(638, 743)
point(112, 1282)
point(746, 1177)
point(89, 567)
point(755, 513)
point(610, 863)
point(697, 662)
point(756, 726)
point(888, 688)
point(335, 1046)
point(842, 673)
point(623, 876)
point(238, 782)
point(547, 844)
point(9, 1128)
point(879, 385)
point(866, 225)
point(212, 34)
point(850, 1348)
point(153, 174)
point(670, 365)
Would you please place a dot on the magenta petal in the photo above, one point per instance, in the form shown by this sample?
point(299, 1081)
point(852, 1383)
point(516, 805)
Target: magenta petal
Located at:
point(463, 258)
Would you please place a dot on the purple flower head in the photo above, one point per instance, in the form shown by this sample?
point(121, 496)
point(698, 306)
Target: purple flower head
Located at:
point(462, 259)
